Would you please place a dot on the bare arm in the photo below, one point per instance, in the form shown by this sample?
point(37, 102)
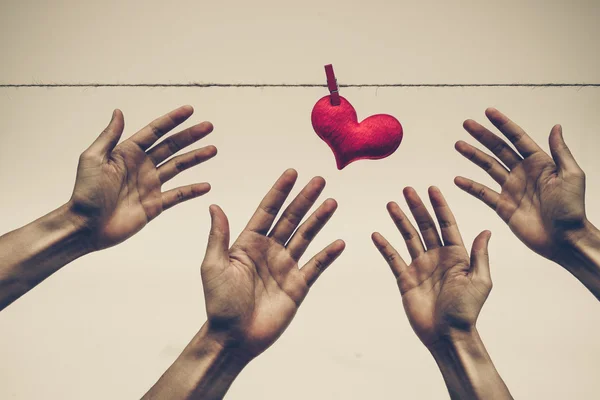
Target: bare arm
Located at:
point(30, 254)
point(467, 368)
point(443, 290)
point(117, 192)
point(252, 289)
point(204, 370)
point(581, 256)
point(541, 198)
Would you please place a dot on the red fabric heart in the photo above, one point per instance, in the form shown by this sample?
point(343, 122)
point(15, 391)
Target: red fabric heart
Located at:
point(376, 137)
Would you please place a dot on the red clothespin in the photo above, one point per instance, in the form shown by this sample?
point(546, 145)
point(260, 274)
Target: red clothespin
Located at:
point(332, 85)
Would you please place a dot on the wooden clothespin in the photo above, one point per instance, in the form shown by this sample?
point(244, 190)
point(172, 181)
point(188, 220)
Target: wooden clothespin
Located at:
point(332, 85)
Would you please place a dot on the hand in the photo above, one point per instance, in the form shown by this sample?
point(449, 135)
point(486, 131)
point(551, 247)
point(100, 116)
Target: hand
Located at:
point(254, 288)
point(118, 187)
point(541, 197)
point(443, 289)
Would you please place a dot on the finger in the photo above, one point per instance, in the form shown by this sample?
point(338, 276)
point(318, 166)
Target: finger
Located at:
point(293, 214)
point(268, 208)
point(179, 195)
point(423, 218)
point(497, 146)
point(482, 192)
point(161, 126)
point(561, 153)
point(185, 161)
point(480, 261)
point(524, 144)
point(300, 241)
point(487, 163)
point(110, 136)
point(450, 233)
point(393, 258)
point(409, 233)
point(315, 267)
point(178, 141)
point(218, 238)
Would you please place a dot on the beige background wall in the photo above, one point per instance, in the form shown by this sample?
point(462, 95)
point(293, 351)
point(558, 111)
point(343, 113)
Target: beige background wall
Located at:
point(108, 325)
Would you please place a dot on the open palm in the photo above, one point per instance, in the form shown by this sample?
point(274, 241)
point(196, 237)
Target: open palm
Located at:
point(254, 288)
point(541, 197)
point(443, 289)
point(118, 187)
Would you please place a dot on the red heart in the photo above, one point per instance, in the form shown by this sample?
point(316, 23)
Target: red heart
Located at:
point(376, 137)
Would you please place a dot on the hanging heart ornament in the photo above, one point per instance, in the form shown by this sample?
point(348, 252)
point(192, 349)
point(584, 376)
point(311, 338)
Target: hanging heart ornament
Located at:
point(335, 121)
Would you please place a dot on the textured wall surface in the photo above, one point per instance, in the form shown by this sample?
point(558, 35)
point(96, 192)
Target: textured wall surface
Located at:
point(109, 324)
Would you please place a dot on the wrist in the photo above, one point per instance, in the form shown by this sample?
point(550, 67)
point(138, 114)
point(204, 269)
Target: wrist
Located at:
point(580, 255)
point(574, 238)
point(466, 366)
point(205, 370)
point(456, 340)
point(217, 345)
point(37, 250)
point(78, 226)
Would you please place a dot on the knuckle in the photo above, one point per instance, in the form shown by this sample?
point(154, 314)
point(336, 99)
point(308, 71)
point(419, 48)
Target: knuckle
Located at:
point(576, 173)
point(515, 137)
point(88, 156)
point(481, 193)
point(154, 130)
point(471, 155)
point(499, 147)
point(426, 225)
point(444, 223)
point(180, 165)
point(487, 165)
point(172, 145)
point(308, 234)
point(293, 218)
point(408, 235)
point(269, 210)
point(319, 265)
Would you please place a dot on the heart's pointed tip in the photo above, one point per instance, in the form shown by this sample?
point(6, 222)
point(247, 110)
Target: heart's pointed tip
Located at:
point(340, 161)
point(341, 164)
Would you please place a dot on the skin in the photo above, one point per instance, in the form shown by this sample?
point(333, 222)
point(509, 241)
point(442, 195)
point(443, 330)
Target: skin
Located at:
point(118, 189)
point(541, 197)
point(253, 289)
point(443, 290)
point(117, 192)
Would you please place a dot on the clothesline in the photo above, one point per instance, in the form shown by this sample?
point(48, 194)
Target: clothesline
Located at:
point(293, 85)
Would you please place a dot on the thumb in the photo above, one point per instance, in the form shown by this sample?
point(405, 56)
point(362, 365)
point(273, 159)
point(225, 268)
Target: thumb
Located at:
point(110, 136)
point(480, 260)
point(560, 151)
point(218, 239)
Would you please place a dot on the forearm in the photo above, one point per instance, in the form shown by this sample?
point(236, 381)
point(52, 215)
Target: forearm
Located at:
point(34, 252)
point(581, 257)
point(205, 370)
point(467, 368)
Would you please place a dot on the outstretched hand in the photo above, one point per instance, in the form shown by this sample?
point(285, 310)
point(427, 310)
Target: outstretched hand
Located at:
point(443, 288)
point(118, 187)
point(254, 288)
point(541, 197)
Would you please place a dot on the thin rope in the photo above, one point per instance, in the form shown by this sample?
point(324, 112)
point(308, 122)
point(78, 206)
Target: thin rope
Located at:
point(291, 85)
